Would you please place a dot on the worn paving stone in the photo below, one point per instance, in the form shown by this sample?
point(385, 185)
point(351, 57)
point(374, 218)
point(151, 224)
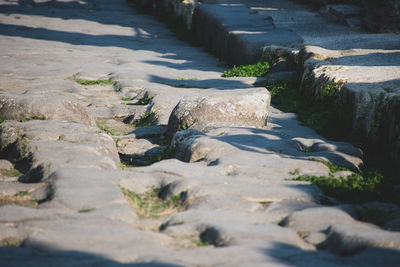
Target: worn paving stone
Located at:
point(131, 145)
point(231, 183)
point(349, 239)
point(317, 219)
point(241, 108)
point(32, 106)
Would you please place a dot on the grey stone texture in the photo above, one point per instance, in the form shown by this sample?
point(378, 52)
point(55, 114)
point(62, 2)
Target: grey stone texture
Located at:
point(230, 107)
point(236, 204)
point(366, 63)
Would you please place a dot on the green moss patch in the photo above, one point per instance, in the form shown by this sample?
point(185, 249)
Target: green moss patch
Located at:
point(253, 70)
point(356, 188)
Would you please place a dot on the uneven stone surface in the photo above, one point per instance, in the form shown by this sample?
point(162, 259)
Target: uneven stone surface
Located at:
point(221, 196)
point(365, 64)
point(31, 106)
point(237, 108)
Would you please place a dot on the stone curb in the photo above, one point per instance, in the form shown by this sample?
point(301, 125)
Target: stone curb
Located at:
point(236, 34)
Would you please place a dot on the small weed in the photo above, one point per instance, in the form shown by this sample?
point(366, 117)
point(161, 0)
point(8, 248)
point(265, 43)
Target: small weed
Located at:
point(331, 89)
point(142, 101)
point(22, 194)
point(306, 149)
point(188, 79)
point(332, 167)
point(295, 172)
point(282, 221)
point(254, 70)
point(22, 198)
point(105, 128)
point(149, 118)
point(86, 210)
point(279, 151)
point(199, 243)
point(33, 118)
point(82, 81)
point(183, 85)
point(191, 242)
point(1, 119)
point(117, 88)
point(23, 148)
point(11, 172)
point(150, 205)
point(127, 98)
point(11, 242)
point(356, 188)
point(123, 165)
point(372, 215)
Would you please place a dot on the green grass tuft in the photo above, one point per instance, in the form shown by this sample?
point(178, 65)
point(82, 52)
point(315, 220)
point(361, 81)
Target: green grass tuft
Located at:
point(306, 149)
point(199, 243)
point(11, 172)
point(134, 161)
point(282, 221)
point(188, 79)
point(254, 70)
point(86, 210)
point(11, 242)
point(82, 81)
point(143, 100)
point(149, 118)
point(105, 128)
point(150, 205)
point(331, 89)
point(356, 188)
point(332, 167)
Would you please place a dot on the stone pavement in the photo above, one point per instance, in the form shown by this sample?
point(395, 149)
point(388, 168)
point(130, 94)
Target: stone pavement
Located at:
point(76, 76)
point(361, 66)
